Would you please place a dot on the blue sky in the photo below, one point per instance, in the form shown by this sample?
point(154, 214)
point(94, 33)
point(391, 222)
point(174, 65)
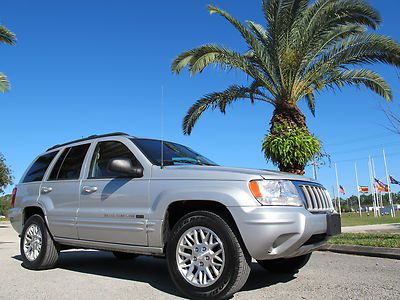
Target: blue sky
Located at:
point(87, 67)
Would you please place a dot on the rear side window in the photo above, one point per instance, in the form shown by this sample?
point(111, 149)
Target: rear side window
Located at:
point(39, 167)
point(69, 164)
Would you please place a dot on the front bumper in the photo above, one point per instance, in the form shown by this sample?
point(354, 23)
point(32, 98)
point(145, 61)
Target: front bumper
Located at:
point(276, 232)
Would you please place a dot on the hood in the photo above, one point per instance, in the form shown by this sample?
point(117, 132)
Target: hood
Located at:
point(220, 173)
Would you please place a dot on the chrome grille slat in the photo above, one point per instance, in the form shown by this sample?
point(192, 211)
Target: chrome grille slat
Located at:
point(316, 198)
point(327, 204)
point(323, 202)
point(307, 195)
point(315, 204)
point(328, 198)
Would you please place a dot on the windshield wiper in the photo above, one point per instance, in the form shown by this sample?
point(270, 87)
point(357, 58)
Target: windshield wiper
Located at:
point(183, 161)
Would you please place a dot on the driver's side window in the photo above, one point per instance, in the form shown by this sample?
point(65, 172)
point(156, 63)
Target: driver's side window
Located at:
point(104, 152)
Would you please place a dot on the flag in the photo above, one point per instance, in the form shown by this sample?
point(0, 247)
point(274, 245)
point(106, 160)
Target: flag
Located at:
point(341, 190)
point(363, 189)
point(379, 183)
point(384, 189)
point(381, 187)
point(393, 181)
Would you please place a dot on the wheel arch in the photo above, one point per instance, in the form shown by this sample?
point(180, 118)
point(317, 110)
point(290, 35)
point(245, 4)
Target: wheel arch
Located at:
point(31, 210)
point(178, 209)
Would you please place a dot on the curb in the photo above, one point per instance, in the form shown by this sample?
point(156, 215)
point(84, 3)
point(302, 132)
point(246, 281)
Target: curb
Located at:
point(393, 253)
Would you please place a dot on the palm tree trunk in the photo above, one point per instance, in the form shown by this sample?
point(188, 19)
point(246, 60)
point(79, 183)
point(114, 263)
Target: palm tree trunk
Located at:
point(287, 114)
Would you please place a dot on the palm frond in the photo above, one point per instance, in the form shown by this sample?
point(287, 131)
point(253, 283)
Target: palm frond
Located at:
point(357, 49)
point(4, 83)
point(219, 100)
point(250, 39)
point(6, 36)
point(260, 32)
point(246, 34)
point(336, 35)
point(323, 18)
point(199, 58)
point(367, 78)
point(311, 102)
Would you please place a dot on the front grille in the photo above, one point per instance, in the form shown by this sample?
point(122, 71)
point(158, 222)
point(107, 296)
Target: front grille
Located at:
point(316, 198)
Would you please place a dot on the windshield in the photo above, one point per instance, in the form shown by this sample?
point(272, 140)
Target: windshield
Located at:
point(174, 154)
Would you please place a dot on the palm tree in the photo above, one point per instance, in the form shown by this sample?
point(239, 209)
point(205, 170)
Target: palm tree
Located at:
point(302, 49)
point(7, 37)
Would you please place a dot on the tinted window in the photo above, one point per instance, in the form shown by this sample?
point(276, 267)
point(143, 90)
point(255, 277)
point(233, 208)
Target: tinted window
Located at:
point(39, 167)
point(103, 153)
point(173, 154)
point(57, 165)
point(69, 163)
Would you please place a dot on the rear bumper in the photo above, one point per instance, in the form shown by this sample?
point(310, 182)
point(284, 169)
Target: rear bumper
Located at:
point(275, 232)
point(15, 215)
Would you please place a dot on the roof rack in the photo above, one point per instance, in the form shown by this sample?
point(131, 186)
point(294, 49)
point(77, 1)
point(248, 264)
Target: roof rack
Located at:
point(91, 137)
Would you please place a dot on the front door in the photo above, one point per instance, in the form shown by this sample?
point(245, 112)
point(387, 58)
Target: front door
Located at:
point(113, 208)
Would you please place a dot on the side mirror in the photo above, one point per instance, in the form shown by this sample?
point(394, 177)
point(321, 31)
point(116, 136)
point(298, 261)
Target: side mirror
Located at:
point(124, 167)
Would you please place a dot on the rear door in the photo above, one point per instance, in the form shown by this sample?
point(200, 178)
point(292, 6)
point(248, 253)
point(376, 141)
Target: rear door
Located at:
point(59, 193)
point(113, 208)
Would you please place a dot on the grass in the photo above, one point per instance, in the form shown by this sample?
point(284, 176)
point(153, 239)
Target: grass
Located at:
point(353, 219)
point(367, 239)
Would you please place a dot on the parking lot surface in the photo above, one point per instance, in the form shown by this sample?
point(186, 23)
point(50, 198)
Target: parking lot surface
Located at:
point(89, 274)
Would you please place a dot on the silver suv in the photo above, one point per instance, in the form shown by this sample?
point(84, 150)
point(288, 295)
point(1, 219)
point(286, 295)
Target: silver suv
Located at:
point(123, 194)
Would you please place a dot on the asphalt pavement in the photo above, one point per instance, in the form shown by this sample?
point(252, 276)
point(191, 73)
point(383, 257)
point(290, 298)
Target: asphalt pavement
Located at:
point(89, 274)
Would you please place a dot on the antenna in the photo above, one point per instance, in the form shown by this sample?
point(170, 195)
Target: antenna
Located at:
point(162, 127)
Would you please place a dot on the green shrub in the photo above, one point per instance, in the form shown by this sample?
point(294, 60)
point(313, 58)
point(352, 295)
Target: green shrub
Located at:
point(290, 148)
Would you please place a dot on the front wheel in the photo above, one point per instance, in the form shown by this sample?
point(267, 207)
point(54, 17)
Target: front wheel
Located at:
point(285, 265)
point(38, 250)
point(205, 258)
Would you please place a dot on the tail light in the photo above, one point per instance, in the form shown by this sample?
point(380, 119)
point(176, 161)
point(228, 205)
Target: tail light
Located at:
point(13, 195)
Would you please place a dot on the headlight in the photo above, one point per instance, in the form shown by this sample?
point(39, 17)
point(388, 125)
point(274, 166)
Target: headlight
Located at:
point(275, 192)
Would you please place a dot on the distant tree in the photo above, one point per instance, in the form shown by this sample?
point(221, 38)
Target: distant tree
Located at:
point(6, 37)
point(5, 174)
point(302, 48)
point(5, 204)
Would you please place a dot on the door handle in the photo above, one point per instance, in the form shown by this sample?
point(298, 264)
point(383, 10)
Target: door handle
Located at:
point(89, 189)
point(46, 190)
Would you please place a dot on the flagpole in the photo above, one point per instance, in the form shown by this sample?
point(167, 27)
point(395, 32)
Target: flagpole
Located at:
point(372, 185)
point(338, 193)
point(376, 190)
point(358, 189)
point(334, 197)
point(388, 185)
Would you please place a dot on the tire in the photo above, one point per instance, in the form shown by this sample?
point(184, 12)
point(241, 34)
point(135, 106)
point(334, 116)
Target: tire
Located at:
point(124, 255)
point(235, 260)
point(47, 255)
point(285, 265)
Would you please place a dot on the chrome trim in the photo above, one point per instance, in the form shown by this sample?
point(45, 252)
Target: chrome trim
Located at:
point(315, 197)
point(110, 246)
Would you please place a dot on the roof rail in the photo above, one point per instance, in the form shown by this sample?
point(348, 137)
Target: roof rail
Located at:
point(91, 137)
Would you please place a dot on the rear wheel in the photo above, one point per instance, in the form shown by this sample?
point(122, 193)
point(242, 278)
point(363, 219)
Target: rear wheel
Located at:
point(38, 250)
point(285, 265)
point(124, 255)
point(205, 258)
